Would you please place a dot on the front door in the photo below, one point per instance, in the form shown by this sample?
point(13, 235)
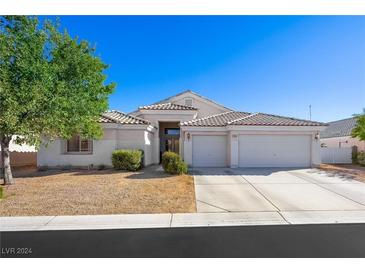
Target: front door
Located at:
point(169, 137)
point(172, 144)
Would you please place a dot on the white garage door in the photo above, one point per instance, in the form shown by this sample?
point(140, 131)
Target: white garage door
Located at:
point(274, 150)
point(209, 151)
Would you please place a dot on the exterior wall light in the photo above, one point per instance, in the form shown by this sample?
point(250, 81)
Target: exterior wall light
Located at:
point(188, 136)
point(316, 137)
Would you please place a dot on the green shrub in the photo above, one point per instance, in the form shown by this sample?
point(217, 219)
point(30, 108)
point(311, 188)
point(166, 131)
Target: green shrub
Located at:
point(1, 192)
point(124, 159)
point(361, 158)
point(173, 164)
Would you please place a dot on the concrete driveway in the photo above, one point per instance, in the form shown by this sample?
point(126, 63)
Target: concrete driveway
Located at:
point(296, 195)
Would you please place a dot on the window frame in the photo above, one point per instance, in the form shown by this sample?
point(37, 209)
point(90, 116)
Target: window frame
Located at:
point(171, 128)
point(80, 151)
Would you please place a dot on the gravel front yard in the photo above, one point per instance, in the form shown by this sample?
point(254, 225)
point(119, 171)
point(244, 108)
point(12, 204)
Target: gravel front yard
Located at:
point(354, 171)
point(83, 192)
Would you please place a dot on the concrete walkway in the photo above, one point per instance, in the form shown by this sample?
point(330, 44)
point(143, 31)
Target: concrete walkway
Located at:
point(136, 221)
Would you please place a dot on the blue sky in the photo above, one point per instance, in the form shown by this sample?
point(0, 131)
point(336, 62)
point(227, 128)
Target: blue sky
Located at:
point(272, 64)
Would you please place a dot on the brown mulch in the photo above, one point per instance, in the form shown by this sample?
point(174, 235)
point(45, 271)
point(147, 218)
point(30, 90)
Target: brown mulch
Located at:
point(355, 171)
point(90, 192)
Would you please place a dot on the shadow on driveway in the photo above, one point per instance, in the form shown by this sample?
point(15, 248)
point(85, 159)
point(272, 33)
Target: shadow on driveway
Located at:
point(238, 171)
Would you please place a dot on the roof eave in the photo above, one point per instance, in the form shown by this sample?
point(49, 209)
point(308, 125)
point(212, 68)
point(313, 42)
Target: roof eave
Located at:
point(255, 128)
point(127, 126)
point(166, 111)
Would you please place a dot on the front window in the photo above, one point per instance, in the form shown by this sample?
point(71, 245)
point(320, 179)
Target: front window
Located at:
point(77, 144)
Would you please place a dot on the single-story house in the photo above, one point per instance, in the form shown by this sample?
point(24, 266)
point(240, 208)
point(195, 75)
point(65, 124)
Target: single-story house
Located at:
point(21, 155)
point(203, 132)
point(338, 134)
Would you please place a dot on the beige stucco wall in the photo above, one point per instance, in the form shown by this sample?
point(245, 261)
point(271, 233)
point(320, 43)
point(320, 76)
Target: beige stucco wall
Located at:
point(204, 109)
point(53, 155)
point(340, 142)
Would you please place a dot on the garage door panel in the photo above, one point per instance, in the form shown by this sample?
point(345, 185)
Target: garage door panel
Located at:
point(209, 151)
point(274, 150)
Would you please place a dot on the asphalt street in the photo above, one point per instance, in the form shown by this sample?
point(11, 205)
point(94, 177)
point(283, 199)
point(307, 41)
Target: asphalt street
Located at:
point(312, 240)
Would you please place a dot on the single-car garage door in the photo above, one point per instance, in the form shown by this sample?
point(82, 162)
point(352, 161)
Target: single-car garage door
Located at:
point(209, 151)
point(274, 150)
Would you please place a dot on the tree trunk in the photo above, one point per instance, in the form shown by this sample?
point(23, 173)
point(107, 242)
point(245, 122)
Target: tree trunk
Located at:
point(5, 157)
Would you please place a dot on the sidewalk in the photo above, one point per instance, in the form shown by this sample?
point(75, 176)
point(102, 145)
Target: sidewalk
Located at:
point(135, 221)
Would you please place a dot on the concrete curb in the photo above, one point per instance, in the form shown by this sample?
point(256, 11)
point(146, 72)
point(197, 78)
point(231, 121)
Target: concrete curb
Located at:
point(137, 221)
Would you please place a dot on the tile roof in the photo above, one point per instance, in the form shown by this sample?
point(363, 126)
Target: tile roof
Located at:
point(339, 128)
point(217, 120)
point(115, 116)
point(248, 119)
point(168, 106)
point(14, 147)
point(263, 119)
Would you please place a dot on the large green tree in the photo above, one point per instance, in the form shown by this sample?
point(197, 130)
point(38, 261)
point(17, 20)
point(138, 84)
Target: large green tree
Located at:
point(359, 130)
point(51, 85)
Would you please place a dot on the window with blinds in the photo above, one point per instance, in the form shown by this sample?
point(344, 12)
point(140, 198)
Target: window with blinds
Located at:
point(77, 144)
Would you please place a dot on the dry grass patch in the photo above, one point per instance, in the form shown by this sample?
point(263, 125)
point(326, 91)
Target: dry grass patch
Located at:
point(98, 192)
point(356, 172)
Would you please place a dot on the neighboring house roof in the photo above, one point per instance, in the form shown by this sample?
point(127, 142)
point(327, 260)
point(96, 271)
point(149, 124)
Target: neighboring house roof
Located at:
point(194, 93)
point(248, 119)
point(13, 147)
point(339, 128)
point(115, 116)
point(167, 106)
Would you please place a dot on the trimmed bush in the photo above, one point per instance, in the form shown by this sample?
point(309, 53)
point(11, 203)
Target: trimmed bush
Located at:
point(126, 159)
point(173, 164)
point(1, 192)
point(361, 158)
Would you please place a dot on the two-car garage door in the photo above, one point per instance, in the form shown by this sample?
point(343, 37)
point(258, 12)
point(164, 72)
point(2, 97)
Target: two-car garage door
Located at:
point(253, 150)
point(274, 151)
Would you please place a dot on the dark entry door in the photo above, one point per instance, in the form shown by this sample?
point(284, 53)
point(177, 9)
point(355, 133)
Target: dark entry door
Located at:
point(169, 137)
point(172, 144)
